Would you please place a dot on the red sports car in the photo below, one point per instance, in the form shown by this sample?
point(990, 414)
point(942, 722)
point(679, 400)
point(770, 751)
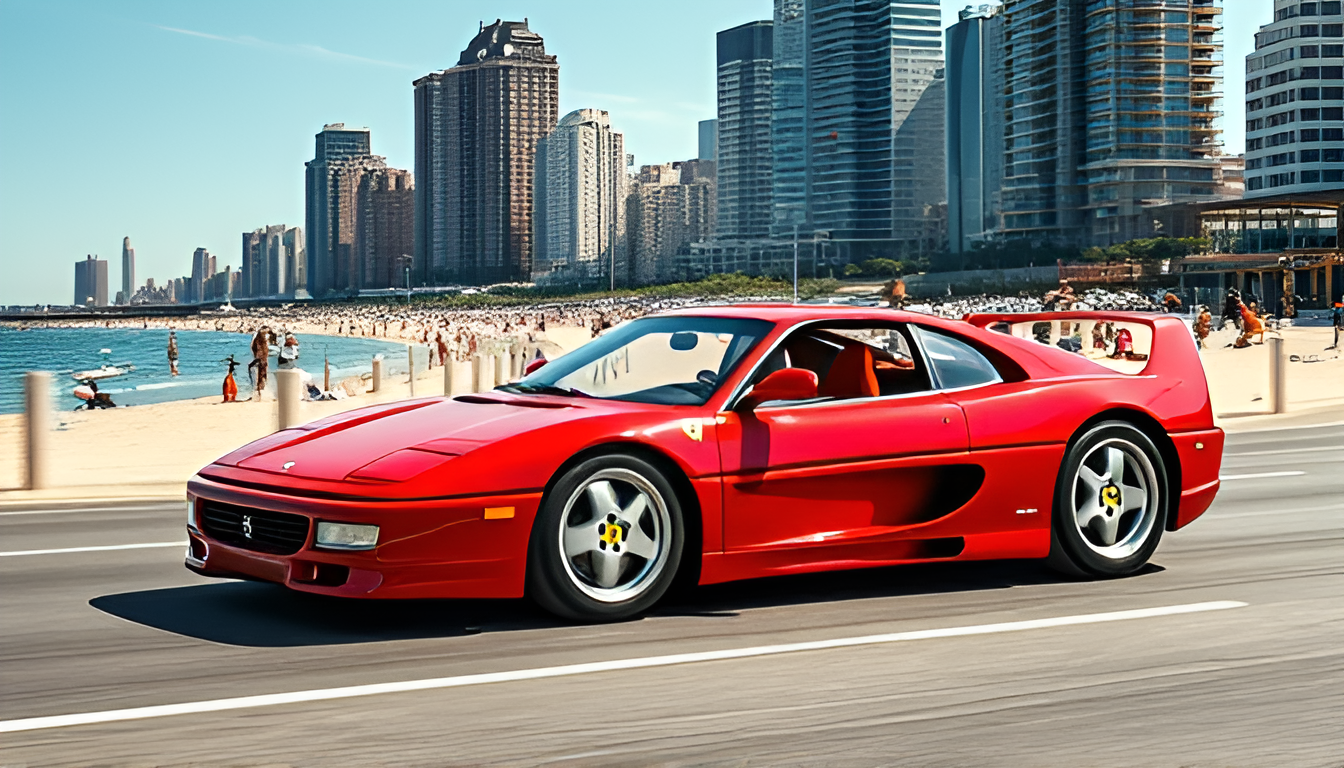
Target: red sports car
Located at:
point(722, 443)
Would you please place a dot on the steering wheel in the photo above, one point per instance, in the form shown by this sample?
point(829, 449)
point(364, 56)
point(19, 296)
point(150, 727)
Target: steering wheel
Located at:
point(707, 377)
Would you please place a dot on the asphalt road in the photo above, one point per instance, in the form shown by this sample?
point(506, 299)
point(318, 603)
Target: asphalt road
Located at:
point(1256, 685)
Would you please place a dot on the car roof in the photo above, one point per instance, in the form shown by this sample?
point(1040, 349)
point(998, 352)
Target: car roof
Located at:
point(794, 313)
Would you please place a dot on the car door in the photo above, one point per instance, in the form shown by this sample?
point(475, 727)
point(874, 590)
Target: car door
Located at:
point(853, 466)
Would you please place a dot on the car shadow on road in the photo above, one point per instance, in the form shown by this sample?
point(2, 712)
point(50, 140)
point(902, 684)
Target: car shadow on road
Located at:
point(270, 616)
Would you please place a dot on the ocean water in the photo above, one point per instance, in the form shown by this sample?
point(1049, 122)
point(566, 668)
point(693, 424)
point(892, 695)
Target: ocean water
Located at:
point(65, 350)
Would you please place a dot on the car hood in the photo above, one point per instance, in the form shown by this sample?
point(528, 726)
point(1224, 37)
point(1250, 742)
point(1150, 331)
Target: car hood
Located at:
point(333, 449)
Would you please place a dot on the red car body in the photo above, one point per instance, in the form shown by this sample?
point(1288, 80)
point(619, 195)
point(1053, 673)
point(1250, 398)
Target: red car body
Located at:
point(455, 484)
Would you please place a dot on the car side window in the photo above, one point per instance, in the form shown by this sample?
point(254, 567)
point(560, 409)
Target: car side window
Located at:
point(853, 360)
point(955, 363)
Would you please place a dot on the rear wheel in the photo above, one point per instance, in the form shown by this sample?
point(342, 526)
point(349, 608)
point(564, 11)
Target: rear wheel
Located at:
point(606, 542)
point(1110, 503)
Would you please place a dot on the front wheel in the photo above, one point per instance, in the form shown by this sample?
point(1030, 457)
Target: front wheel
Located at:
point(1110, 503)
point(606, 542)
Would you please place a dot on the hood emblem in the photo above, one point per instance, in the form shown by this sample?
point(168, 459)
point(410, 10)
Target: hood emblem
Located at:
point(287, 465)
point(247, 526)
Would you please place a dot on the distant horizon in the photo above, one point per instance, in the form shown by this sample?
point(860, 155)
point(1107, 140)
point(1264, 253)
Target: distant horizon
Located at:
point(182, 126)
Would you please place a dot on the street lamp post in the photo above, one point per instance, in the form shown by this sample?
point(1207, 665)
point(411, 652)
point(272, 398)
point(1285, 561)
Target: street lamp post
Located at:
point(795, 262)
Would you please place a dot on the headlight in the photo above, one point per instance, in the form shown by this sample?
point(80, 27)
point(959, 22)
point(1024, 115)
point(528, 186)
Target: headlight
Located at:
point(347, 536)
point(191, 513)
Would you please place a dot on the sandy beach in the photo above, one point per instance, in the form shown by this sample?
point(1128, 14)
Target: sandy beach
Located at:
point(152, 450)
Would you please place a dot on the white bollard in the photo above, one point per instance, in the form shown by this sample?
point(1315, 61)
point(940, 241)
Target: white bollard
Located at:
point(377, 373)
point(287, 393)
point(476, 363)
point(448, 365)
point(503, 362)
point(410, 365)
point(1278, 380)
point(37, 409)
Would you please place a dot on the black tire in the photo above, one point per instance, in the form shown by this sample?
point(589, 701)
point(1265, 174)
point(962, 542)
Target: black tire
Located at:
point(570, 584)
point(1115, 540)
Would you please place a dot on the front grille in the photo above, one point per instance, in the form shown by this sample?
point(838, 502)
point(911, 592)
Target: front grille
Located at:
point(259, 530)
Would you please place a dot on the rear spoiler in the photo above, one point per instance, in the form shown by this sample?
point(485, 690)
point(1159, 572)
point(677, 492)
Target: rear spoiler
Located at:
point(1127, 342)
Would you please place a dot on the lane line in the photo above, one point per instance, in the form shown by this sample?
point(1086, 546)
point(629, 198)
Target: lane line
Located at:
point(354, 691)
point(109, 548)
point(1254, 475)
point(1262, 430)
point(1286, 450)
point(76, 510)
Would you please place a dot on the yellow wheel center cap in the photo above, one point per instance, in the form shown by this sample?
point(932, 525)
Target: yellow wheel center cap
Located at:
point(612, 535)
point(1110, 498)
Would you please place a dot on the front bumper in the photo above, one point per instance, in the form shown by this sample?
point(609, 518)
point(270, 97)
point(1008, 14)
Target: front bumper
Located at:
point(436, 548)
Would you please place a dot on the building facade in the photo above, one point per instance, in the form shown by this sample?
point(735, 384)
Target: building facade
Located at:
point(669, 207)
point(385, 229)
point(874, 112)
point(743, 149)
point(91, 282)
point(127, 271)
point(788, 117)
point(975, 108)
point(1295, 101)
point(336, 147)
point(1151, 93)
point(707, 140)
point(270, 261)
point(579, 199)
point(1111, 106)
point(476, 131)
point(1044, 146)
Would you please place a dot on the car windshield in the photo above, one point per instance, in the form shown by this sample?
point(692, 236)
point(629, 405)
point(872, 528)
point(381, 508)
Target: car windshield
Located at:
point(664, 360)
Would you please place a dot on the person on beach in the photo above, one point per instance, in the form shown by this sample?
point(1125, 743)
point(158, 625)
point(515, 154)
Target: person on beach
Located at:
point(289, 353)
point(894, 293)
point(1171, 303)
point(230, 385)
point(1203, 325)
point(172, 352)
point(261, 351)
point(1061, 298)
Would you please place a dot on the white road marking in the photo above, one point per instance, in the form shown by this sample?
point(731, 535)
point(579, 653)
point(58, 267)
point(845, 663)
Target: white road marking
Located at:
point(1254, 475)
point(73, 510)
point(109, 548)
point(1235, 431)
point(353, 691)
point(1288, 450)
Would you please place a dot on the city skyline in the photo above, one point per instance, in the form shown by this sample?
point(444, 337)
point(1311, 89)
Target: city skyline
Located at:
point(157, 152)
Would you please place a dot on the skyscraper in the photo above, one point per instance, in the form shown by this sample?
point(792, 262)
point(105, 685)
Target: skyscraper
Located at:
point(1151, 89)
point(788, 118)
point(476, 131)
point(668, 209)
point(91, 282)
point(269, 261)
point(707, 140)
point(873, 73)
point(1111, 105)
point(385, 231)
point(127, 270)
point(974, 125)
point(1299, 57)
point(1043, 192)
point(335, 145)
point(744, 159)
point(579, 198)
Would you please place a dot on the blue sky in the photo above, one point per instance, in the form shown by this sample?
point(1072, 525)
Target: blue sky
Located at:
point(183, 124)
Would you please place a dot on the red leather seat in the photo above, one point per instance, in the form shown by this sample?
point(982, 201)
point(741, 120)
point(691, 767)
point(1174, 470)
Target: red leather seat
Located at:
point(851, 375)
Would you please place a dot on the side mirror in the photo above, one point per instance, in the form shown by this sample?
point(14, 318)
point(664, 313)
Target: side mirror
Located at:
point(785, 384)
point(534, 366)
